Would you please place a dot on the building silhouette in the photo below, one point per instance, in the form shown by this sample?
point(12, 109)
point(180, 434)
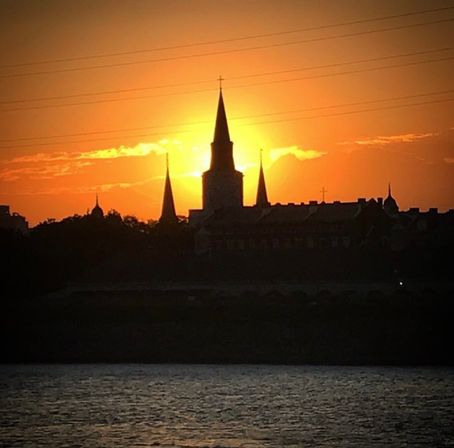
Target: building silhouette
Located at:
point(225, 225)
point(390, 205)
point(97, 212)
point(222, 185)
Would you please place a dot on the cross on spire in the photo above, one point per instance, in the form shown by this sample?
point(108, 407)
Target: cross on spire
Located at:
point(220, 79)
point(323, 191)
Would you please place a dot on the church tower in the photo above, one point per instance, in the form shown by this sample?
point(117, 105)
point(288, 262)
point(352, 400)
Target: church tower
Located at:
point(390, 205)
point(97, 211)
point(168, 215)
point(222, 185)
point(262, 196)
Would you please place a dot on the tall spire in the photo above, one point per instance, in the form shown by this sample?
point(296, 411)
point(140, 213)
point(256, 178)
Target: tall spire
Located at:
point(222, 185)
point(262, 197)
point(168, 215)
point(389, 189)
point(221, 130)
point(222, 147)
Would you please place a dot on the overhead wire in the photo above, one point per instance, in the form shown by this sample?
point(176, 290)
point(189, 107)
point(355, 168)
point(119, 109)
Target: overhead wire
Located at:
point(171, 126)
point(233, 39)
point(251, 75)
point(229, 51)
point(268, 82)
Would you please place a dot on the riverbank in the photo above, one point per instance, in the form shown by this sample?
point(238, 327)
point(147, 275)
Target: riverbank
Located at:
point(210, 326)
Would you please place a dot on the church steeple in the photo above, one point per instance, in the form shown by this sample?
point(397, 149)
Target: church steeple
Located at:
point(390, 205)
point(222, 147)
point(97, 211)
point(262, 196)
point(222, 185)
point(221, 129)
point(168, 215)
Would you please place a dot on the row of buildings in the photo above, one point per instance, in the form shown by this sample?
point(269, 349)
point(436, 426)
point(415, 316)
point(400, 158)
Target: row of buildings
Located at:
point(224, 224)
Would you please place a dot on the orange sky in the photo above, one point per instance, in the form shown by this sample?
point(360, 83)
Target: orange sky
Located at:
point(315, 125)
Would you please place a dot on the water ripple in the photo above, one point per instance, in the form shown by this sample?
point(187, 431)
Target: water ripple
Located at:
point(225, 406)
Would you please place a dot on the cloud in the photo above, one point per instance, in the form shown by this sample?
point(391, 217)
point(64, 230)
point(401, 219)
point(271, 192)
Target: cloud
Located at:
point(55, 164)
point(389, 139)
point(82, 189)
point(42, 172)
point(43, 157)
point(142, 149)
point(139, 150)
point(300, 154)
point(430, 147)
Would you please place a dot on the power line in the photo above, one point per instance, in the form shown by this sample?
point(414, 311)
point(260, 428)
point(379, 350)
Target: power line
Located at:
point(336, 114)
point(221, 52)
point(109, 92)
point(348, 72)
point(107, 131)
point(276, 81)
point(252, 75)
point(111, 100)
point(234, 39)
point(339, 64)
point(398, 98)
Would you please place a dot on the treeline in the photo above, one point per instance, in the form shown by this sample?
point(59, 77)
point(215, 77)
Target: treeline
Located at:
point(115, 249)
point(88, 249)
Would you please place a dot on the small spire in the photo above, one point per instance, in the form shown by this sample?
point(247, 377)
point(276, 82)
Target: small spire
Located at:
point(168, 214)
point(389, 189)
point(262, 196)
point(97, 210)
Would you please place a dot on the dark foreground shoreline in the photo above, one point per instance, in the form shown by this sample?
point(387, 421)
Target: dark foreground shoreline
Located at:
point(397, 328)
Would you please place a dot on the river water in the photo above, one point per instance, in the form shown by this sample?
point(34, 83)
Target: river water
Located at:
point(225, 406)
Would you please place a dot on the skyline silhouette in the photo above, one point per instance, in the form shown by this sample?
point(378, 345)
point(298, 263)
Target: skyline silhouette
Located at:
point(345, 98)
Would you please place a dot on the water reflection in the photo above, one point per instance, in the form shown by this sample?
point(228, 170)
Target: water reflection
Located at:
point(225, 406)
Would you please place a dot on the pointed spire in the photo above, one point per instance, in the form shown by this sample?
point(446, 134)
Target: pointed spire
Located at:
point(168, 215)
point(262, 196)
point(221, 147)
point(390, 205)
point(221, 130)
point(97, 211)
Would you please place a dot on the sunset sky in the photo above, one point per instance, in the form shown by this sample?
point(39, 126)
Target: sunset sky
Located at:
point(94, 93)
